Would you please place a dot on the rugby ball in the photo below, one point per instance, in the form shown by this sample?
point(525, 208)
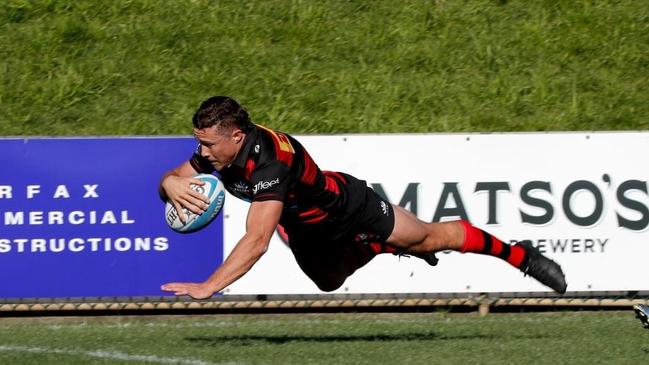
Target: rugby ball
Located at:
point(214, 190)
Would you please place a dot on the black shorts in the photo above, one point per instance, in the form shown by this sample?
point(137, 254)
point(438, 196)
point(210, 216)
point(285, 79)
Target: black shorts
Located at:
point(339, 245)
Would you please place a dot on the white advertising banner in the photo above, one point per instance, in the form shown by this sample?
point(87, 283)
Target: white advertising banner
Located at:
point(580, 197)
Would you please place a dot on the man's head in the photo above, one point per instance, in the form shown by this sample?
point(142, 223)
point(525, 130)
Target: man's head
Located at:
point(220, 126)
point(222, 112)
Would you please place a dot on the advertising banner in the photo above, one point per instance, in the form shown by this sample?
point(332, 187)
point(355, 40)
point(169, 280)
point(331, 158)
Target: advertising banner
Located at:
point(581, 198)
point(82, 218)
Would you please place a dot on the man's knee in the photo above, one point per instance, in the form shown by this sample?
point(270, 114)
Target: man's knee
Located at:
point(408, 230)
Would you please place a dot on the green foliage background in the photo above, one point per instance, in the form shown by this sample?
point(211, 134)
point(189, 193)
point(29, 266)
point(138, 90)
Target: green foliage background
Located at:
point(142, 67)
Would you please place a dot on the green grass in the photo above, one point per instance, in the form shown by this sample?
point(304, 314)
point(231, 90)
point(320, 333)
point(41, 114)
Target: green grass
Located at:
point(142, 67)
point(538, 338)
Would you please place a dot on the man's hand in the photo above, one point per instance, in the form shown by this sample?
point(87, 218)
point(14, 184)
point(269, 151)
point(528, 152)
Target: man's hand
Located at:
point(194, 290)
point(263, 218)
point(180, 194)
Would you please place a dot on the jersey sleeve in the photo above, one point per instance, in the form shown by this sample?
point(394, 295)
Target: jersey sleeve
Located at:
point(270, 181)
point(200, 163)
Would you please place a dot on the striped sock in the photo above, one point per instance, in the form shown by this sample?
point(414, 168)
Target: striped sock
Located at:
point(368, 240)
point(378, 248)
point(481, 242)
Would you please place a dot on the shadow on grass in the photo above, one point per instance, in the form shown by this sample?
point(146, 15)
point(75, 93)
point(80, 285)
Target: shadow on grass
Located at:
point(281, 339)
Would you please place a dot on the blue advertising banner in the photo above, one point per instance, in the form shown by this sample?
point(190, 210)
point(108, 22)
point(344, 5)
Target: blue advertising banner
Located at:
point(81, 217)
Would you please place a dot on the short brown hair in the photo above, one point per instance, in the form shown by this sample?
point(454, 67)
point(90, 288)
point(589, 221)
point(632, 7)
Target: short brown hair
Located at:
point(223, 112)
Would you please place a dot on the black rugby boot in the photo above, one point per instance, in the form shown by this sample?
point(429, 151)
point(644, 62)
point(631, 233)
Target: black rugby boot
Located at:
point(541, 268)
point(430, 258)
point(642, 313)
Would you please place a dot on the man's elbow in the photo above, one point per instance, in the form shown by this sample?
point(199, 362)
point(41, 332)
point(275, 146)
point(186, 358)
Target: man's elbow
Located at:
point(261, 245)
point(262, 250)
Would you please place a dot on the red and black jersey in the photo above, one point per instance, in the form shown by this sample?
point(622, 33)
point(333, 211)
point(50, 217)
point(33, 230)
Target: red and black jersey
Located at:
point(274, 166)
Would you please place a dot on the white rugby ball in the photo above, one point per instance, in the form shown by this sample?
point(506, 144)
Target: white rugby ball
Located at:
point(214, 190)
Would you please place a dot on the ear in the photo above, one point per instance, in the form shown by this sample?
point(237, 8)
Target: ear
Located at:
point(238, 135)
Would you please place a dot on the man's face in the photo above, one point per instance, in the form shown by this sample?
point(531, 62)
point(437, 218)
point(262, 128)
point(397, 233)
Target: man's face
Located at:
point(219, 146)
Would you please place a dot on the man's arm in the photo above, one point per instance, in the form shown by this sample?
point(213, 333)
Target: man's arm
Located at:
point(263, 218)
point(175, 186)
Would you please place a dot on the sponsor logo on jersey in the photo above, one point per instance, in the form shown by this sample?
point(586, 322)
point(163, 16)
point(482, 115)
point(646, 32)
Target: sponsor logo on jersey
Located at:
point(241, 187)
point(262, 185)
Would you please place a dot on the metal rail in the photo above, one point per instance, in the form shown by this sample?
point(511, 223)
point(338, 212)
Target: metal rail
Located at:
point(483, 303)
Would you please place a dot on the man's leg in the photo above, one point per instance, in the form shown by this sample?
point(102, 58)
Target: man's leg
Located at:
point(418, 237)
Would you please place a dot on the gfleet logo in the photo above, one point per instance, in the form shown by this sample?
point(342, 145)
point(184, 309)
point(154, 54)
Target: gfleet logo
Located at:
point(262, 185)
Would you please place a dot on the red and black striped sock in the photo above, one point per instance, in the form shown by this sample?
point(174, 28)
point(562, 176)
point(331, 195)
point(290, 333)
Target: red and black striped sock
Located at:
point(378, 248)
point(479, 241)
point(368, 240)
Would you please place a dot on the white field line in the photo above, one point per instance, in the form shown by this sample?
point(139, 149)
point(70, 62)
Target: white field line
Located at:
point(112, 355)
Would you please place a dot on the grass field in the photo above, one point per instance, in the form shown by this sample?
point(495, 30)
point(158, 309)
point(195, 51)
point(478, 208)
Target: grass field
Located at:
point(415, 338)
point(142, 67)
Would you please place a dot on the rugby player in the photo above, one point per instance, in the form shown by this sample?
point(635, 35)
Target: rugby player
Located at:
point(334, 222)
